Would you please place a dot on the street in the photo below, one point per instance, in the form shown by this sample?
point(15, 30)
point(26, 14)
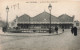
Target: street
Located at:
point(40, 41)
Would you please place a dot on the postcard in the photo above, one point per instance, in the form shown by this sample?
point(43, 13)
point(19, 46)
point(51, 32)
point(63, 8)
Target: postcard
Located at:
point(39, 24)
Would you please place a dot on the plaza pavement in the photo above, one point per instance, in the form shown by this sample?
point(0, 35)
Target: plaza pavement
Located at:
point(39, 41)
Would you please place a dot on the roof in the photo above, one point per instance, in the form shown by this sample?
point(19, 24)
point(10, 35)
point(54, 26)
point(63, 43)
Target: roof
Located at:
point(45, 17)
point(24, 18)
point(65, 18)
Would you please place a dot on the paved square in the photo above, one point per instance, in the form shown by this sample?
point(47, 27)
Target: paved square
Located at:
point(40, 41)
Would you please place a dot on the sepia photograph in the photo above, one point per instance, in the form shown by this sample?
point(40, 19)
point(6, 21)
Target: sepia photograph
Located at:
point(39, 24)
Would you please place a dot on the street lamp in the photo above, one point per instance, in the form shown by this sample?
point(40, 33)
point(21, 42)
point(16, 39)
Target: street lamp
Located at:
point(50, 8)
point(7, 10)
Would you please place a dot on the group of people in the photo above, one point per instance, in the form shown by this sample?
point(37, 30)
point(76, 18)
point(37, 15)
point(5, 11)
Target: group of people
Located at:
point(56, 29)
point(74, 30)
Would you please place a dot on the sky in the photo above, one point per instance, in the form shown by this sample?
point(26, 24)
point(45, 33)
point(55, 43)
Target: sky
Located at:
point(35, 7)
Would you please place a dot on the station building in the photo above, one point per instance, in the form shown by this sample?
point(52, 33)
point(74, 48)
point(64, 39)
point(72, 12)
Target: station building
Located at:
point(42, 21)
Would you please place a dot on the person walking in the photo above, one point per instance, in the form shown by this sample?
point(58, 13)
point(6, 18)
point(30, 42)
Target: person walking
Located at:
point(62, 29)
point(56, 29)
point(75, 31)
point(72, 30)
point(4, 29)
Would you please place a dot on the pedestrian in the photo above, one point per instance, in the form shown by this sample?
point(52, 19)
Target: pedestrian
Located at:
point(4, 29)
point(75, 31)
point(62, 29)
point(56, 29)
point(72, 30)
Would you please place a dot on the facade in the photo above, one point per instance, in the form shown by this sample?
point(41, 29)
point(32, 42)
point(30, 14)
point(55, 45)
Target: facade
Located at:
point(41, 21)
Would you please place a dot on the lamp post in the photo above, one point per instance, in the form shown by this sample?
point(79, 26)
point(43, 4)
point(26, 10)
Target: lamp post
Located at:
point(7, 10)
point(50, 8)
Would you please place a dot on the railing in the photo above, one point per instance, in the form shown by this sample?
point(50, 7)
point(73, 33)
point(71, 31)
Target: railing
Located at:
point(29, 30)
